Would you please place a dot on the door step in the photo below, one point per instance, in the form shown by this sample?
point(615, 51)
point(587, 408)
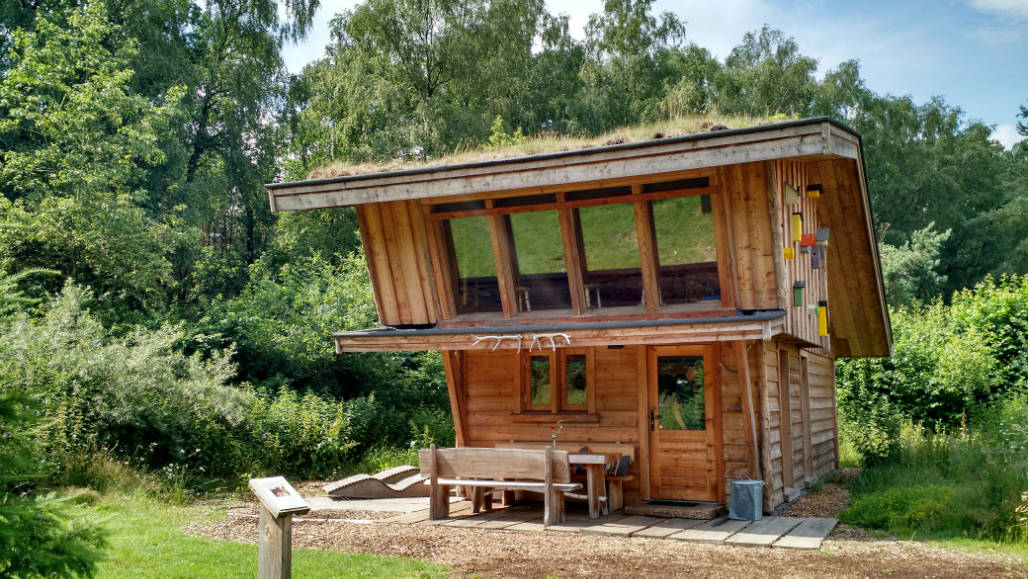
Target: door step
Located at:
point(675, 509)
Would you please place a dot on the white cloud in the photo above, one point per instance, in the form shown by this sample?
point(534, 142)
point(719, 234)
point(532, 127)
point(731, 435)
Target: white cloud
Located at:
point(1007, 136)
point(1013, 8)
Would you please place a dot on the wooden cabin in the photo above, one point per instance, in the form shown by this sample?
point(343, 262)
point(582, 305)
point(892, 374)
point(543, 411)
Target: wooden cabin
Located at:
point(681, 300)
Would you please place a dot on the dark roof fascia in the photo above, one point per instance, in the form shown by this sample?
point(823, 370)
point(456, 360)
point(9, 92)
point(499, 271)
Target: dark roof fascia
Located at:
point(757, 316)
point(561, 154)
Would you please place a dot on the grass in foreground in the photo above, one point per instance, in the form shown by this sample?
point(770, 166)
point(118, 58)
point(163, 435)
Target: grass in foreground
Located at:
point(145, 541)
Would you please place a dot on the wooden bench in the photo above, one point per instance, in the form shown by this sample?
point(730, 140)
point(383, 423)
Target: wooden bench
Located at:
point(485, 469)
point(613, 498)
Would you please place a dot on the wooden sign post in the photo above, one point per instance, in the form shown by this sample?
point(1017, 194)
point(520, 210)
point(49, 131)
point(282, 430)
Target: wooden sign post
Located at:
point(279, 502)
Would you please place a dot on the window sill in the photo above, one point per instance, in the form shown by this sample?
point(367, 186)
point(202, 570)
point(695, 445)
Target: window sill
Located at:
point(554, 417)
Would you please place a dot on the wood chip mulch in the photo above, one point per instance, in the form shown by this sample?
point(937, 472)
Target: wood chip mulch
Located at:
point(499, 553)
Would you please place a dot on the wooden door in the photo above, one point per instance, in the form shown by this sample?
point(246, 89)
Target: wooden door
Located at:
point(685, 426)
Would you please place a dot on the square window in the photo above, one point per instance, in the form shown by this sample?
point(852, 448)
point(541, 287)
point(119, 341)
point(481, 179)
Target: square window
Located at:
point(556, 381)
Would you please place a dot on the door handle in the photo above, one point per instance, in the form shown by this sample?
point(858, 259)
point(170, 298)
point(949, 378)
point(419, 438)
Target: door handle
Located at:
point(653, 419)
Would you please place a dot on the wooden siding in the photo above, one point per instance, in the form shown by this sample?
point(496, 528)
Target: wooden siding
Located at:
point(774, 486)
point(490, 396)
point(823, 415)
point(745, 187)
point(491, 393)
point(858, 321)
point(396, 245)
point(801, 322)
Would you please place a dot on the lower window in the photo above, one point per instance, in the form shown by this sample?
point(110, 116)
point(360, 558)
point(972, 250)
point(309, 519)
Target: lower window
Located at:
point(557, 381)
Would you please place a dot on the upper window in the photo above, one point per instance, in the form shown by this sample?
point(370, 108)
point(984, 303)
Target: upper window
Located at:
point(476, 287)
point(580, 250)
point(612, 275)
point(687, 250)
point(542, 275)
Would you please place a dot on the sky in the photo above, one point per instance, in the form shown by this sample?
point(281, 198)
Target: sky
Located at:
point(973, 53)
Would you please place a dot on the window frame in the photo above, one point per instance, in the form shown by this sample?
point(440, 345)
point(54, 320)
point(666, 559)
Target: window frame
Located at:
point(558, 383)
point(640, 195)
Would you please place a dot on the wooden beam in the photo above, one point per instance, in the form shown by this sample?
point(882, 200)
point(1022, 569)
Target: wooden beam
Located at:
point(649, 259)
point(808, 447)
point(785, 416)
point(642, 391)
point(748, 414)
point(574, 257)
point(576, 204)
point(444, 266)
point(774, 207)
point(453, 366)
point(500, 233)
point(423, 259)
point(728, 277)
point(765, 428)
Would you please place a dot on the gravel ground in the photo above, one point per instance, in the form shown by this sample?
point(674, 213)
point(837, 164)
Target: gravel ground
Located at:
point(498, 553)
point(528, 554)
point(505, 553)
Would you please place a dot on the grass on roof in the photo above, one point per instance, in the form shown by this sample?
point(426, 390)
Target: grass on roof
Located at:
point(542, 144)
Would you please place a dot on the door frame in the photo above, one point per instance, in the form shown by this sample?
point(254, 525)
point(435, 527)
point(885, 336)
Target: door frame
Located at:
point(711, 354)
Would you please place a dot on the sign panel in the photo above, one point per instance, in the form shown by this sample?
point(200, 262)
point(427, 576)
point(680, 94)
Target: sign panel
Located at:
point(278, 496)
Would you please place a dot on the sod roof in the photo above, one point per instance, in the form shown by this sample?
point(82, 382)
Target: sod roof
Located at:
point(550, 143)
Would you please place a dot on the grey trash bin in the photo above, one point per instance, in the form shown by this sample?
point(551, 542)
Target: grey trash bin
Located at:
point(747, 502)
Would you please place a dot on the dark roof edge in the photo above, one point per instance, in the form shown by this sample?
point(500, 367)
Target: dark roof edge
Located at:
point(559, 154)
point(757, 316)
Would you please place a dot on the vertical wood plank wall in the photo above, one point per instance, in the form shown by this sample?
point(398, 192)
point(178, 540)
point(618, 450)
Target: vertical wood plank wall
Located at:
point(396, 245)
point(746, 189)
point(801, 321)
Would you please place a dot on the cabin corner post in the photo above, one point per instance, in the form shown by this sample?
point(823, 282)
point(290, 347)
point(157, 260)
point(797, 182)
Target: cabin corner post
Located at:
point(777, 239)
point(765, 430)
point(749, 415)
point(453, 365)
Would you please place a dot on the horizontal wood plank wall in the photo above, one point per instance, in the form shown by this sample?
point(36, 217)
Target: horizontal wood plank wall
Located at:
point(823, 427)
point(773, 428)
point(396, 245)
point(801, 321)
point(745, 187)
point(491, 395)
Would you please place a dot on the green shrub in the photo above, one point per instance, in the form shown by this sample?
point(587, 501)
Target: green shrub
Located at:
point(38, 535)
point(901, 508)
point(968, 485)
point(138, 399)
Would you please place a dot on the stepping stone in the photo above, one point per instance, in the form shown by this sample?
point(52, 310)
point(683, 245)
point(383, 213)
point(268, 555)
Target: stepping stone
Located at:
point(508, 517)
point(622, 527)
point(715, 531)
point(475, 520)
point(527, 526)
point(668, 527)
point(808, 535)
point(579, 523)
point(763, 532)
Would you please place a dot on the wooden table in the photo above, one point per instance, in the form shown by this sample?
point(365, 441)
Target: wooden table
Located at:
point(595, 466)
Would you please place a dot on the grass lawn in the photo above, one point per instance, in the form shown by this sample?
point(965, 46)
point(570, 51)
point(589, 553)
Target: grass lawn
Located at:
point(145, 541)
